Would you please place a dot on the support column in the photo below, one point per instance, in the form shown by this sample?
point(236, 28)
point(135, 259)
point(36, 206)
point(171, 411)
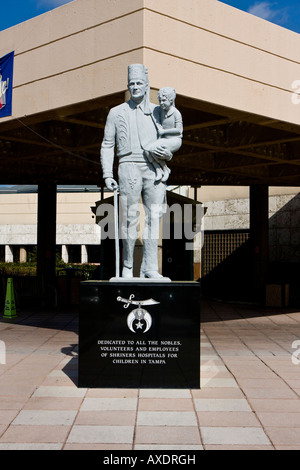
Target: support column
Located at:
point(84, 254)
point(259, 238)
point(23, 254)
point(64, 253)
point(46, 243)
point(9, 255)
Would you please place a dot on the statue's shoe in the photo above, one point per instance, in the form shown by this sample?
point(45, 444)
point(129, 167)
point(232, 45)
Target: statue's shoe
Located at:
point(127, 272)
point(151, 275)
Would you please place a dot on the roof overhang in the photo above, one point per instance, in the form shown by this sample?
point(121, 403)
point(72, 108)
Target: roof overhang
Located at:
point(235, 77)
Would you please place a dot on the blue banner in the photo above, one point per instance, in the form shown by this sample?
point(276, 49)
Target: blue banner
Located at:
point(6, 84)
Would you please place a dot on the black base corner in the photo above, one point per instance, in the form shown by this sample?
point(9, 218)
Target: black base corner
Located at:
point(139, 335)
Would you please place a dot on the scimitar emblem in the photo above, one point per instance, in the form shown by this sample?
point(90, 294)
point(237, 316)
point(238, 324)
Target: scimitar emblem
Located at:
point(139, 317)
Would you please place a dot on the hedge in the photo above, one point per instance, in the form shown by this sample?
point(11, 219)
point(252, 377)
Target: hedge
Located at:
point(84, 271)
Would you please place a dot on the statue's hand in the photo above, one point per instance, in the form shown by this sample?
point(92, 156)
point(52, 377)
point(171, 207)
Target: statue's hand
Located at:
point(111, 184)
point(162, 152)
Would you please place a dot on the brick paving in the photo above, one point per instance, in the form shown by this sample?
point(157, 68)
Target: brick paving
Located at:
point(249, 396)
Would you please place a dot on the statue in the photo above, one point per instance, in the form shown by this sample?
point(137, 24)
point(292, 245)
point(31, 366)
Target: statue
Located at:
point(145, 136)
point(169, 125)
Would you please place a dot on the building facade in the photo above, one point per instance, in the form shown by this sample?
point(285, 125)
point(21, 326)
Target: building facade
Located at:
point(234, 76)
point(77, 234)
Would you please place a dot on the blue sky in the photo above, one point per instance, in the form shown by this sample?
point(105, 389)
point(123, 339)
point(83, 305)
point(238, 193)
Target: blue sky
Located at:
point(286, 13)
point(17, 11)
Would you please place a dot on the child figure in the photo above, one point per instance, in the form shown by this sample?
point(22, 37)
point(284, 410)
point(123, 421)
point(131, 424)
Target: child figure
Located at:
point(170, 128)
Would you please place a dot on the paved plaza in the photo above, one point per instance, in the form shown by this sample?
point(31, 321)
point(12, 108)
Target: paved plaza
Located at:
point(249, 396)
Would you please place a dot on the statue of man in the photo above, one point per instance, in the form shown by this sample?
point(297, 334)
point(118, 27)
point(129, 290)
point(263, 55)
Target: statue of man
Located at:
point(132, 128)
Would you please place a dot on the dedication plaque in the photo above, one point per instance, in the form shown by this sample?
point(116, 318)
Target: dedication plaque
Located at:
point(139, 335)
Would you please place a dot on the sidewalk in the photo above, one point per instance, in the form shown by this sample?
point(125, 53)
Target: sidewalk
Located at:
point(249, 397)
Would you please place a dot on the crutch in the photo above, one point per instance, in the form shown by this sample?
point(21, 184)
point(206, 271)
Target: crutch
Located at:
point(116, 222)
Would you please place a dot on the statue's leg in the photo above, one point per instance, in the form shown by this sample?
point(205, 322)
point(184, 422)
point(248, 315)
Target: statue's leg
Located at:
point(153, 195)
point(156, 164)
point(158, 171)
point(165, 171)
point(130, 183)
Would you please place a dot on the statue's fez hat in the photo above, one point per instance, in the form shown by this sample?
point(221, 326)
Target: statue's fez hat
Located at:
point(137, 71)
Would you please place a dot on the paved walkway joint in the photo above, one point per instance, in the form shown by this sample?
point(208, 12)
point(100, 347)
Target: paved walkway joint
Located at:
point(249, 396)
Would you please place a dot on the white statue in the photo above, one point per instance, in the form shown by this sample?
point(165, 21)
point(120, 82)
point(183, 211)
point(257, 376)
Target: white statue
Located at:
point(169, 124)
point(141, 132)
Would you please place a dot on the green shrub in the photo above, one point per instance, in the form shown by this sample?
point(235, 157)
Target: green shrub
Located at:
point(83, 271)
point(17, 269)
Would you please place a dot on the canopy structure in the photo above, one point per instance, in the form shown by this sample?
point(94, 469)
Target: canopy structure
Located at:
point(235, 77)
point(219, 148)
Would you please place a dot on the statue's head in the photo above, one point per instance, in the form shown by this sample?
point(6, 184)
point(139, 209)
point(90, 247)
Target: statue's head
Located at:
point(166, 96)
point(138, 83)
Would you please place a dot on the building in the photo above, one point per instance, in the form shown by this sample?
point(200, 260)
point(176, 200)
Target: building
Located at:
point(77, 234)
point(235, 78)
point(226, 254)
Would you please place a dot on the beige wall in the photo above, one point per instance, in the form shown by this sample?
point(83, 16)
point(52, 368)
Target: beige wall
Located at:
point(72, 208)
point(18, 209)
point(75, 222)
point(73, 54)
point(221, 55)
point(205, 49)
point(216, 193)
point(226, 208)
point(75, 208)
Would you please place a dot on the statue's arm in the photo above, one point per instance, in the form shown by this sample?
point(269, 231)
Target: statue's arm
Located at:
point(178, 121)
point(173, 131)
point(108, 147)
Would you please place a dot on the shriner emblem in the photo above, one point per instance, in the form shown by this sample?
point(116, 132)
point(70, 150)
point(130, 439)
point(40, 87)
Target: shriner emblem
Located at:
point(139, 318)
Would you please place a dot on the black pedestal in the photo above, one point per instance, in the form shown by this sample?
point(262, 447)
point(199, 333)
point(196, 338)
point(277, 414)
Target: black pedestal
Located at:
point(139, 335)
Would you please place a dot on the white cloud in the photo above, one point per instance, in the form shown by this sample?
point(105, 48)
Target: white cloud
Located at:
point(263, 10)
point(268, 11)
